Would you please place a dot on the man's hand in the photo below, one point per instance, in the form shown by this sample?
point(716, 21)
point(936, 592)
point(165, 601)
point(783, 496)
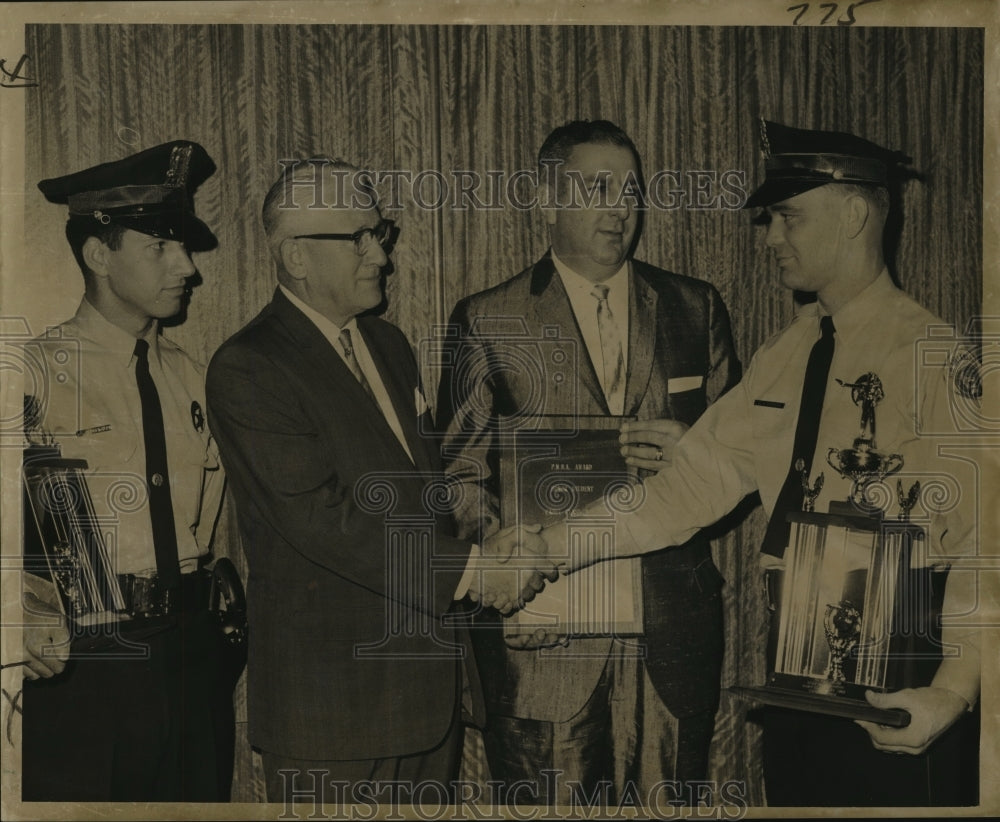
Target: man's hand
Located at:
point(932, 711)
point(46, 639)
point(513, 568)
point(650, 444)
point(539, 639)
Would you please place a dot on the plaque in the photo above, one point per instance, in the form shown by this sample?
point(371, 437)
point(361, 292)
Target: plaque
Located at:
point(550, 468)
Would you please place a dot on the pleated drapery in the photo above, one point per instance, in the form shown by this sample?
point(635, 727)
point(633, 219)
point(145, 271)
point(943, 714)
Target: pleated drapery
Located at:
point(480, 99)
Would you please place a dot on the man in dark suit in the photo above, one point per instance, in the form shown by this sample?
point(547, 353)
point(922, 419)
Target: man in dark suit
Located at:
point(353, 673)
point(647, 344)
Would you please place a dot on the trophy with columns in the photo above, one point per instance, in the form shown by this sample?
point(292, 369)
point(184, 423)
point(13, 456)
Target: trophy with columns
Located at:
point(839, 606)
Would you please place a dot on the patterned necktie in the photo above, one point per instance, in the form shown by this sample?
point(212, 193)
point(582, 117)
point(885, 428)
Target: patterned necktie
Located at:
point(161, 510)
point(611, 351)
point(354, 365)
point(806, 433)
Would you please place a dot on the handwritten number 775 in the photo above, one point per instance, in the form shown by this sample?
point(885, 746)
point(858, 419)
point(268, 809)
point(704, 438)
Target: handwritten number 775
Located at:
point(831, 8)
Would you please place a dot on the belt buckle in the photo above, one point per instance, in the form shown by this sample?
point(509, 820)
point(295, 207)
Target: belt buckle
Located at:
point(150, 598)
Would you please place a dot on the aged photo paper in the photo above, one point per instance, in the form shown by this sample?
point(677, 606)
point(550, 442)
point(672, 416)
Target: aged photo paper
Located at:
point(453, 99)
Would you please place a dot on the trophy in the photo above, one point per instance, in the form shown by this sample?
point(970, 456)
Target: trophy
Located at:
point(63, 539)
point(863, 462)
point(841, 606)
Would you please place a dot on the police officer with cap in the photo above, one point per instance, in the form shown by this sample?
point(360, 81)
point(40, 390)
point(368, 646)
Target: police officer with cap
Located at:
point(145, 717)
point(826, 200)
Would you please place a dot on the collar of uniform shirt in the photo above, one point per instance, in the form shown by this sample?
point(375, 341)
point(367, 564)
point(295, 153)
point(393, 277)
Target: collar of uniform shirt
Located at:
point(579, 289)
point(863, 309)
point(95, 327)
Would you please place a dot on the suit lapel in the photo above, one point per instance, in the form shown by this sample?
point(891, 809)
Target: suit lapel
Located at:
point(401, 395)
point(316, 349)
point(321, 358)
point(642, 338)
point(552, 307)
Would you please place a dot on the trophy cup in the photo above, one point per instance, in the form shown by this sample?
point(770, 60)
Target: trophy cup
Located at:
point(863, 462)
point(840, 605)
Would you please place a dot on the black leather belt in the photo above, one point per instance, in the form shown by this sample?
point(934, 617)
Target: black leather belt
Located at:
point(147, 597)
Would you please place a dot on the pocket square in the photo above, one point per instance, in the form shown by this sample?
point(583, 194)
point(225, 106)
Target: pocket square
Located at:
point(419, 401)
point(675, 385)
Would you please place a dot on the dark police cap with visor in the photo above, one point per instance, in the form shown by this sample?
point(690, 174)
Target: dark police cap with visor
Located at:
point(797, 160)
point(151, 192)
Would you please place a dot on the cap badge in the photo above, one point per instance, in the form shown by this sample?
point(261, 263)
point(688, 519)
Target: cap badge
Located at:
point(180, 158)
point(765, 145)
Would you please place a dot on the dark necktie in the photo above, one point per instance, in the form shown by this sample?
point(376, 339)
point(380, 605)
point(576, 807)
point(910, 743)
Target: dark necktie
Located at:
point(806, 433)
point(161, 511)
point(353, 364)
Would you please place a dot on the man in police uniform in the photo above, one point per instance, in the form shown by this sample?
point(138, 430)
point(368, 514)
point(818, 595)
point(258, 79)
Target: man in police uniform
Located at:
point(139, 721)
point(826, 201)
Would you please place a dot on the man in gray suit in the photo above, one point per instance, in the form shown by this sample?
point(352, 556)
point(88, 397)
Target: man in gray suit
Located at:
point(648, 344)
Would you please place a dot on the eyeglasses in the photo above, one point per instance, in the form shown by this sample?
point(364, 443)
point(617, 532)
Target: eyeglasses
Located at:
point(382, 234)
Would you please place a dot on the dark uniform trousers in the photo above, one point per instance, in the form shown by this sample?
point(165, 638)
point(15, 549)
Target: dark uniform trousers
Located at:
point(811, 760)
point(154, 725)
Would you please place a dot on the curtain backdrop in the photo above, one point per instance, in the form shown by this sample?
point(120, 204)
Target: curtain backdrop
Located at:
point(481, 99)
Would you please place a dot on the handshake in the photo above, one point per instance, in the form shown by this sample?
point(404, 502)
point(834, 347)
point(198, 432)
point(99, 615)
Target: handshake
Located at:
point(514, 566)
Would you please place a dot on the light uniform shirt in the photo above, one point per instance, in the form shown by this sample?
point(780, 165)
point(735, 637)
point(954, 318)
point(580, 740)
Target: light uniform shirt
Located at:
point(332, 333)
point(743, 441)
point(579, 290)
point(90, 406)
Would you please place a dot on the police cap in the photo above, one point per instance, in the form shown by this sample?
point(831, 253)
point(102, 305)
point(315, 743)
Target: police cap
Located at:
point(797, 160)
point(151, 192)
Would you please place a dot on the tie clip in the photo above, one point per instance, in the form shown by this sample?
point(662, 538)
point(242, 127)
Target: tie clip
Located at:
point(97, 429)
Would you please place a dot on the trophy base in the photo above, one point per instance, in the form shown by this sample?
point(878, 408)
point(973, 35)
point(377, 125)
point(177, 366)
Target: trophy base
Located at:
point(832, 705)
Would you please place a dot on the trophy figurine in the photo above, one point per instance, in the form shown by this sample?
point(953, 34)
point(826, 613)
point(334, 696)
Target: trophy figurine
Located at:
point(809, 492)
point(842, 625)
point(863, 462)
